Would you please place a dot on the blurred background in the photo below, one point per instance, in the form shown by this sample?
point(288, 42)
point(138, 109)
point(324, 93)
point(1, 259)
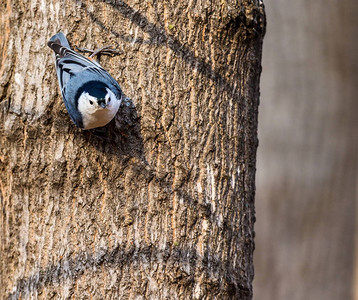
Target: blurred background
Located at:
point(306, 200)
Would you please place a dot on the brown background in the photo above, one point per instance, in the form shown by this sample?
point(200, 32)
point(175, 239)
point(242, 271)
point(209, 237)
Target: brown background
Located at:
point(306, 199)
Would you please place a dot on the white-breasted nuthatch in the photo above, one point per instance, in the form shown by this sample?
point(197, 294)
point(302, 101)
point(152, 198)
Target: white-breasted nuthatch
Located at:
point(91, 96)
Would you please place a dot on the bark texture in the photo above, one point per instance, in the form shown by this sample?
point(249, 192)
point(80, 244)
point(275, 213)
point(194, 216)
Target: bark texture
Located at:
point(307, 160)
point(161, 204)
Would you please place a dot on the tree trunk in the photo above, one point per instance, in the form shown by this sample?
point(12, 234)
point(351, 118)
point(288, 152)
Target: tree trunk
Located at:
point(160, 205)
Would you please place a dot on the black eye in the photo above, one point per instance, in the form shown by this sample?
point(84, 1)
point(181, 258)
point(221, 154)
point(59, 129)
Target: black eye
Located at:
point(109, 99)
point(91, 102)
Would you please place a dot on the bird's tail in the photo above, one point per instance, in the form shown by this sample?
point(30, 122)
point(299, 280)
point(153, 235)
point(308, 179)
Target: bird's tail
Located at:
point(57, 42)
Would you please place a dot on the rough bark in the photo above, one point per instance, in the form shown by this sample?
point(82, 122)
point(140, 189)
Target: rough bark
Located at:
point(161, 204)
point(307, 159)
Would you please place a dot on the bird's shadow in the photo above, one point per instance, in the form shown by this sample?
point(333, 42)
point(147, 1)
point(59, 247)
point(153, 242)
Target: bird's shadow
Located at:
point(122, 136)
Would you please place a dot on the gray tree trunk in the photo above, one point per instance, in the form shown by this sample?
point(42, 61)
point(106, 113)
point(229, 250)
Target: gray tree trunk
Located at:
point(307, 159)
point(161, 205)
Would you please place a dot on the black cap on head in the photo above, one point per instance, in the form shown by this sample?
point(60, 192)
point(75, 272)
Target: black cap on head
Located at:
point(97, 90)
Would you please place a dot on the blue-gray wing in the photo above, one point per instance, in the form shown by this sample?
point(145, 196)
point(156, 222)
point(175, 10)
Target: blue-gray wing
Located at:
point(69, 62)
point(73, 63)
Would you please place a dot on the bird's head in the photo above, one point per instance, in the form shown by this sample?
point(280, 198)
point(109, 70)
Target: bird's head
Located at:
point(94, 98)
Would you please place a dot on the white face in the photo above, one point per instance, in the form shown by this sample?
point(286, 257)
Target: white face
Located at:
point(95, 114)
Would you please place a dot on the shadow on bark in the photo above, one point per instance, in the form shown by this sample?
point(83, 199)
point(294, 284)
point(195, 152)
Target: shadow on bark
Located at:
point(173, 260)
point(158, 36)
point(122, 136)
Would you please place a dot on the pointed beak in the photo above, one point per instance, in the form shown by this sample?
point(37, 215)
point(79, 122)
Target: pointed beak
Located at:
point(102, 104)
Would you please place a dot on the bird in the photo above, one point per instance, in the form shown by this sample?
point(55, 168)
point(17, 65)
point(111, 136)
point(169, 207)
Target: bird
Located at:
point(91, 95)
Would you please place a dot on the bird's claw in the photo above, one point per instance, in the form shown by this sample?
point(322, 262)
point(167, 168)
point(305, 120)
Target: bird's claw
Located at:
point(106, 50)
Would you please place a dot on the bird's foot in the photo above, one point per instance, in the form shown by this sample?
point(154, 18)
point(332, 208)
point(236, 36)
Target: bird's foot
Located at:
point(106, 50)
